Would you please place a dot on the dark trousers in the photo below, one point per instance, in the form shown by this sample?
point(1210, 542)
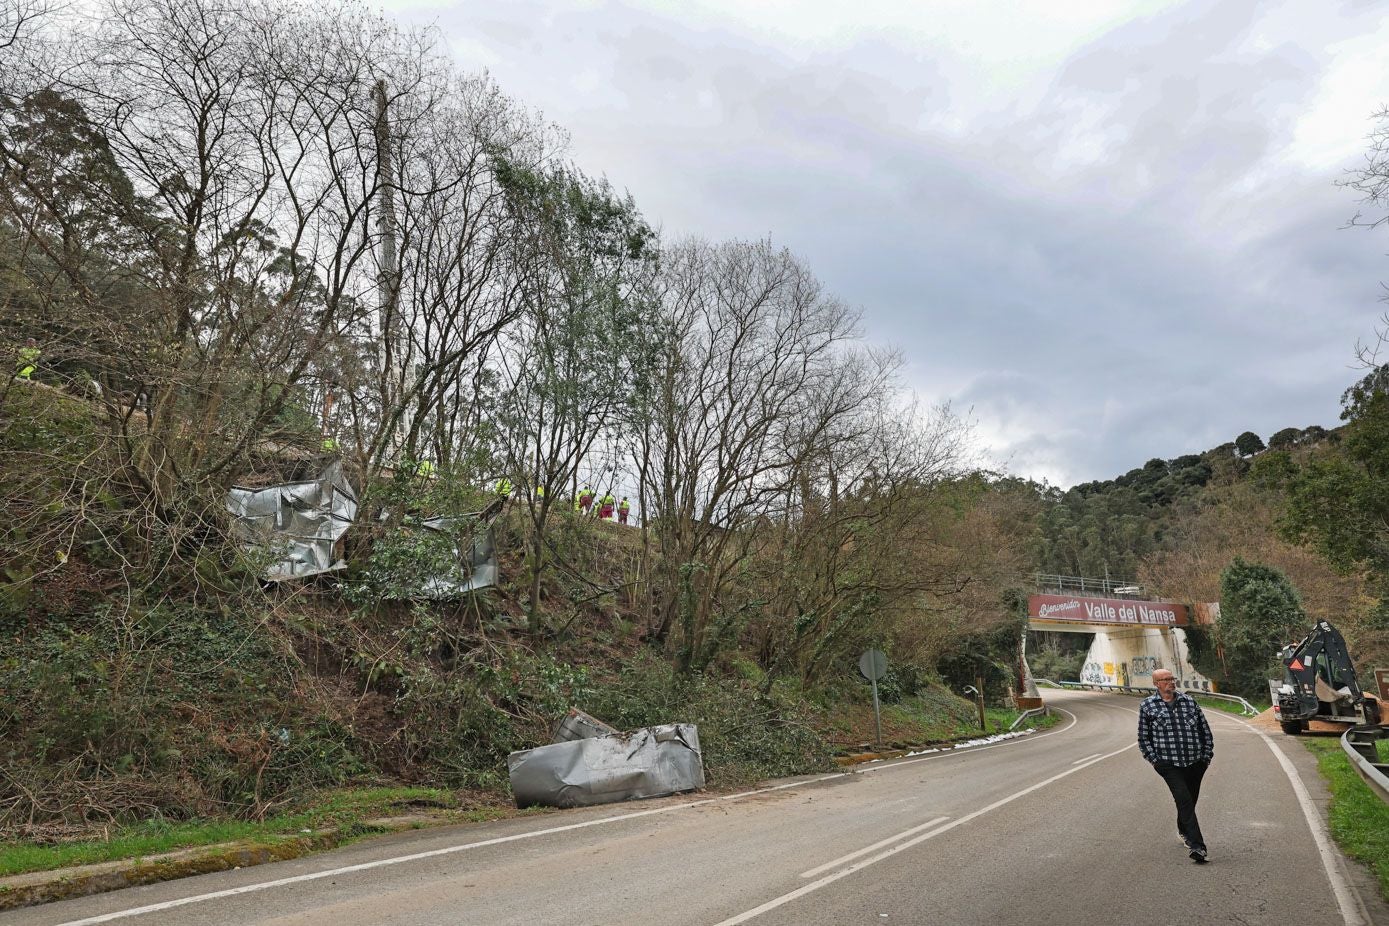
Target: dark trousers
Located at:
point(1184, 781)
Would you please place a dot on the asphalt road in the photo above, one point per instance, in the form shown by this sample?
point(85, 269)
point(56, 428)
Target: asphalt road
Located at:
point(1067, 827)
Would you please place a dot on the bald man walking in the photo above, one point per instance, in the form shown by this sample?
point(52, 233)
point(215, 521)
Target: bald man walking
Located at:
point(1176, 740)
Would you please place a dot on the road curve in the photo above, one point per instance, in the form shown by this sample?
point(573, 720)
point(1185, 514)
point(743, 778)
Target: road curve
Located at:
point(1064, 827)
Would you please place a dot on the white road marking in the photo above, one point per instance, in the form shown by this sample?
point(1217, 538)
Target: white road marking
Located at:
point(380, 863)
point(972, 749)
point(1353, 912)
point(903, 846)
point(877, 845)
point(1086, 759)
point(789, 784)
point(449, 850)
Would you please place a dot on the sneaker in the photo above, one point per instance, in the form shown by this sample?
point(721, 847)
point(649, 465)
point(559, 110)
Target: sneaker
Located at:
point(1198, 856)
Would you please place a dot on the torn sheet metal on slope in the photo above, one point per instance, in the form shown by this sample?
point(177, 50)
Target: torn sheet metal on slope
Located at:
point(650, 762)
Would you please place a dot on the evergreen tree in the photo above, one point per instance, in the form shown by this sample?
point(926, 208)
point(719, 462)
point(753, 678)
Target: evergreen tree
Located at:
point(1259, 612)
point(1249, 444)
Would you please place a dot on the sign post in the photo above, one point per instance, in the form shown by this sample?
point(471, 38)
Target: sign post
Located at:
point(979, 699)
point(873, 665)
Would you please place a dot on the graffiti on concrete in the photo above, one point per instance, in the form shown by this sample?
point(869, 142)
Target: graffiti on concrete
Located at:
point(1145, 665)
point(1093, 674)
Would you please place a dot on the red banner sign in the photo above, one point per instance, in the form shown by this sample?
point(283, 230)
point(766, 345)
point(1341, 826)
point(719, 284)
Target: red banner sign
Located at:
point(1074, 608)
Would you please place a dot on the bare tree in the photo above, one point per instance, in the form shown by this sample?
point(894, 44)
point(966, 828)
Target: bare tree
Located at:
point(583, 264)
point(857, 550)
point(457, 288)
point(201, 226)
point(755, 374)
point(18, 19)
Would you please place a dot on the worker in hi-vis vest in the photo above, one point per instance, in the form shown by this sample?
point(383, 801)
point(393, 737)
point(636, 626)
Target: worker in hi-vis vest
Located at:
point(504, 487)
point(585, 499)
point(28, 359)
point(607, 503)
point(624, 508)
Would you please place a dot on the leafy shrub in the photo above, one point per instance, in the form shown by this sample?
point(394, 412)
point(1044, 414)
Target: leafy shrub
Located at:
point(745, 736)
point(463, 722)
point(1259, 611)
point(170, 712)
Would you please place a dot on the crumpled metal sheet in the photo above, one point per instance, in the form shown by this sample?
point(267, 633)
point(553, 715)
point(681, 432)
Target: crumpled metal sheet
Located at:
point(650, 762)
point(576, 725)
point(300, 521)
point(479, 567)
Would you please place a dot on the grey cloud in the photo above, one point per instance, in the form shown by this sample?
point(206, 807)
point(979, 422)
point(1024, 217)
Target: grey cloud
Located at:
point(1175, 286)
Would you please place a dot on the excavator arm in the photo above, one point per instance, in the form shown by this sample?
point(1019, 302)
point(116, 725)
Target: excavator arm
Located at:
point(1319, 682)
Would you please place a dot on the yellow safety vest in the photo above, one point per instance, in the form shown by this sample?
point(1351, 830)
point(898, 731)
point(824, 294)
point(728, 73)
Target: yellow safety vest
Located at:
point(28, 361)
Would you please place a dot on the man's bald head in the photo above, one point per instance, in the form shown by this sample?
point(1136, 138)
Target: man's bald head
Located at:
point(1166, 683)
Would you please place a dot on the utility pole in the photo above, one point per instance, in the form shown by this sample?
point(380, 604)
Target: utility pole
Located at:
point(388, 274)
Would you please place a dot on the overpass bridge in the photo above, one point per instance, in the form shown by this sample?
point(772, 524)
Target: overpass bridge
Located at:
point(1133, 634)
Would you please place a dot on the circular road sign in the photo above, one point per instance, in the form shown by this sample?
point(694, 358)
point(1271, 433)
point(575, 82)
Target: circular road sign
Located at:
point(873, 664)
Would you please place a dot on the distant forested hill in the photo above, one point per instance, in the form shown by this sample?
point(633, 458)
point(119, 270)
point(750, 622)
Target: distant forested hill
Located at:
point(1174, 526)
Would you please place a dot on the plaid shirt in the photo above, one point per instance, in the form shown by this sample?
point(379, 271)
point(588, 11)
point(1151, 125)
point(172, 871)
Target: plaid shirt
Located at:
point(1176, 734)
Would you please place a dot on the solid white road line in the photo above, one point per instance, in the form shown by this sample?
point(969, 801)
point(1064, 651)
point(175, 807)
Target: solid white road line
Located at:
point(380, 863)
point(903, 846)
point(449, 850)
point(877, 845)
point(1353, 912)
point(945, 754)
point(790, 784)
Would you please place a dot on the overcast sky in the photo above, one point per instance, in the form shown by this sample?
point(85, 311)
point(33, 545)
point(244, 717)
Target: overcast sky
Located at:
point(1112, 230)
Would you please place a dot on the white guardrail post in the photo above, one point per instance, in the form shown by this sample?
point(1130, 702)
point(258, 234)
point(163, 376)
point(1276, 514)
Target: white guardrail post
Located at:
point(1030, 712)
point(1358, 743)
point(1247, 709)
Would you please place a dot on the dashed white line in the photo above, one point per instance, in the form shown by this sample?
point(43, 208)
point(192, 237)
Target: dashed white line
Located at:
point(449, 850)
point(1353, 912)
point(877, 845)
point(1086, 759)
point(903, 846)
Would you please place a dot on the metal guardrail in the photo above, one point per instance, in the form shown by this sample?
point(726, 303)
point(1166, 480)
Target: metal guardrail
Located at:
point(1031, 712)
point(1247, 709)
point(1359, 746)
point(1118, 588)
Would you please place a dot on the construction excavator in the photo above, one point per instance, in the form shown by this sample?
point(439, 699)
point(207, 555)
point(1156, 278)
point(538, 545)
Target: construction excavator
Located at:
point(1319, 684)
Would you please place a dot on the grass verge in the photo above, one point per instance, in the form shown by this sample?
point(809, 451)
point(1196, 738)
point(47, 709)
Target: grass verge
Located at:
point(1359, 819)
point(1228, 707)
point(347, 811)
